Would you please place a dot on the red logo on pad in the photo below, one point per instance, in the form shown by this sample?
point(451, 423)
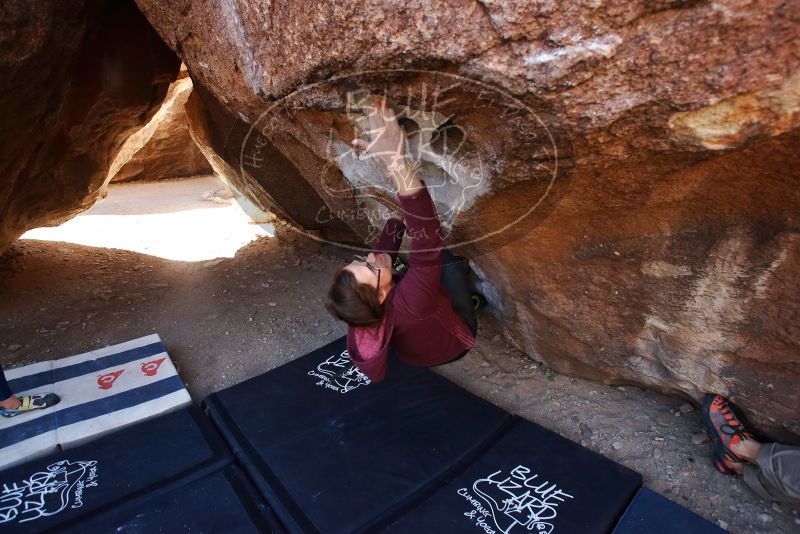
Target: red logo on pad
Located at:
point(151, 368)
point(107, 380)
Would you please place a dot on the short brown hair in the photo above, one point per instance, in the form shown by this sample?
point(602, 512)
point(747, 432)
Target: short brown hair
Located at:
point(354, 303)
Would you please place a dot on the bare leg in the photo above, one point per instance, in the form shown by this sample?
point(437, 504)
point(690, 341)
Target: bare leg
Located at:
point(747, 449)
point(11, 403)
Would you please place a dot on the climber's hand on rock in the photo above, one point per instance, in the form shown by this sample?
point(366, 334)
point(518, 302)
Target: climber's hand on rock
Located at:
point(387, 143)
point(386, 137)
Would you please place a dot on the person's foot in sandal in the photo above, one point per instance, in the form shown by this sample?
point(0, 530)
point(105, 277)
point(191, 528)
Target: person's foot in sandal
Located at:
point(27, 403)
point(727, 431)
point(725, 465)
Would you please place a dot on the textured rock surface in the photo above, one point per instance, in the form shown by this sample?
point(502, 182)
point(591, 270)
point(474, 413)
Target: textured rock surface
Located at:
point(268, 178)
point(163, 148)
point(664, 253)
point(76, 79)
point(685, 281)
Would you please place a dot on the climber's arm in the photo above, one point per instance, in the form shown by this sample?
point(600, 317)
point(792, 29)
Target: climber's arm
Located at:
point(387, 144)
point(391, 237)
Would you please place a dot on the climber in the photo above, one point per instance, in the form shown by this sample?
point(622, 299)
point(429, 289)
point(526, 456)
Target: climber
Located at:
point(772, 470)
point(428, 316)
point(12, 405)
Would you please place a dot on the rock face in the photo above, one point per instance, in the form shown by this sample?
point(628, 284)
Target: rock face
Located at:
point(164, 148)
point(76, 79)
point(270, 180)
point(624, 174)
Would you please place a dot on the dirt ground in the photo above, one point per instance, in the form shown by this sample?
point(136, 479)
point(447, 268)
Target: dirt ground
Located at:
point(225, 320)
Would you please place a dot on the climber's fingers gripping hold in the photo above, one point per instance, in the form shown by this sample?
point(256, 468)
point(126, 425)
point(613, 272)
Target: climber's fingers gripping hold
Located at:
point(386, 137)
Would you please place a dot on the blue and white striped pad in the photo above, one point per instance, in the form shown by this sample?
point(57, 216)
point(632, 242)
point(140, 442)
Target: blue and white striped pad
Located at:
point(101, 391)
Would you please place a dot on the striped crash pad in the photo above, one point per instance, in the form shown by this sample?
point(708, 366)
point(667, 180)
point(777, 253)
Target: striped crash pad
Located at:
point(101, 391)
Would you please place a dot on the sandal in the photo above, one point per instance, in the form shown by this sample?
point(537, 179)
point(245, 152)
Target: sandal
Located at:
point(725, 427)
point(723, 465)
point(37, 401)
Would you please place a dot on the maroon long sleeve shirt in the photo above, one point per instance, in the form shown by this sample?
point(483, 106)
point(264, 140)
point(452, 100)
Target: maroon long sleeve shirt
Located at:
point(419, 323)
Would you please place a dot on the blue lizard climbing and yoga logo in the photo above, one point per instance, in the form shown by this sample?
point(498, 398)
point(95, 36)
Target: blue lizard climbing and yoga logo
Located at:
point(503, 501)
point(60, 486)
point(338, 373)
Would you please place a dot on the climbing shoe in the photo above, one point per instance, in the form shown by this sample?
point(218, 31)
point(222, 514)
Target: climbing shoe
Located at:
point(723, 465)
point(32, 402)
point(724, 425)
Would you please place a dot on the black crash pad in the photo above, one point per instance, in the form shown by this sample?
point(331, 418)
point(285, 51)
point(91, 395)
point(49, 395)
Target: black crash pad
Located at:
point(334, 461)
point(221, 502)
point(53, 491)
point(288, 400)
point(530, 480)
point(651, 513)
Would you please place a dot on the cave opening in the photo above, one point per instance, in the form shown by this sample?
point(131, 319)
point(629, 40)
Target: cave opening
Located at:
point(192, 219)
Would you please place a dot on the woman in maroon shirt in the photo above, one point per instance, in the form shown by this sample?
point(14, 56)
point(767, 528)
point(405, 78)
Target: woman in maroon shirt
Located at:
point(415, 316)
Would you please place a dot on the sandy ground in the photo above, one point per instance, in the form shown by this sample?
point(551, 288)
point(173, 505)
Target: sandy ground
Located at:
point(227, 319)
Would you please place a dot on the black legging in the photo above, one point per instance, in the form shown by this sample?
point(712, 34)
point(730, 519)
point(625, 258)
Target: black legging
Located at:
point(5, 391)
point(456, 279)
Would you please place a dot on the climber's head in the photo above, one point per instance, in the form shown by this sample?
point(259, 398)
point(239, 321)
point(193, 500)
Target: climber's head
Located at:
point(359, 290)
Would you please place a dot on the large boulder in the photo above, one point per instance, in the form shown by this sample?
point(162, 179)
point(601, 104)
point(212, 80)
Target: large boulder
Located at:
point(624, 174)
point(76, 79)
point(164, 148)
